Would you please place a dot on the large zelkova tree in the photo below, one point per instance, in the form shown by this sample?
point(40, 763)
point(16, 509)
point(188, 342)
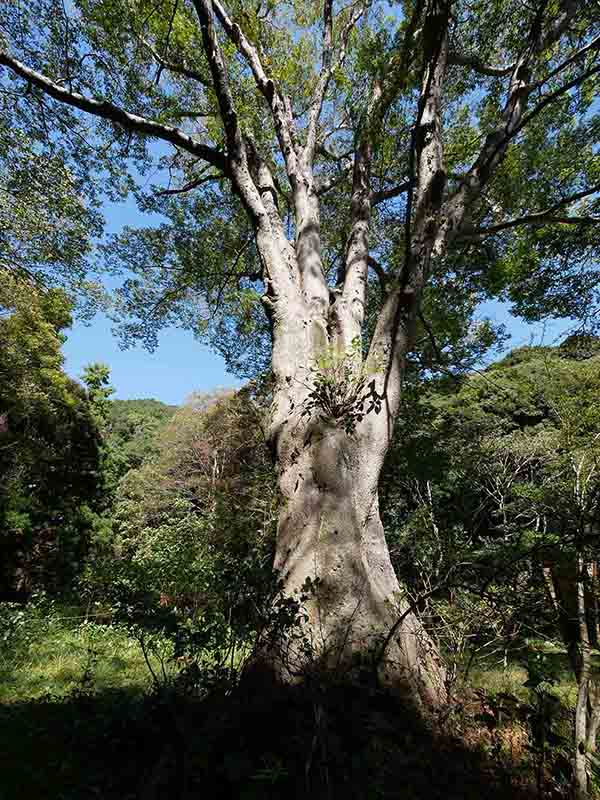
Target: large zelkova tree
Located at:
point(355, 165)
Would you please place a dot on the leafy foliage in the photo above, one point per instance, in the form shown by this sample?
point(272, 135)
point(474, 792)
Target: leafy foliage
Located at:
point(50, 440)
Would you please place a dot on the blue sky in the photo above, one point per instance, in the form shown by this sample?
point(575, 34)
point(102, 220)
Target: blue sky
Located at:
point(177, 367)
point(181, 364)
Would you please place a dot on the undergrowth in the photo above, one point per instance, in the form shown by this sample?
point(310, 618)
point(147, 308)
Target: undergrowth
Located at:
point(82, 715)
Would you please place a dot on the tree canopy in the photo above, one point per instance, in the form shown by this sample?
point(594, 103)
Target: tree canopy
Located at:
point(520, 150)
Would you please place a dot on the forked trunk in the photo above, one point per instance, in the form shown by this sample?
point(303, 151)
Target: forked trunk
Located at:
point(331, 536)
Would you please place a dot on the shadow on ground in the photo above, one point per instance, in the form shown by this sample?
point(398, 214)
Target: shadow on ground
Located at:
point(346, 743)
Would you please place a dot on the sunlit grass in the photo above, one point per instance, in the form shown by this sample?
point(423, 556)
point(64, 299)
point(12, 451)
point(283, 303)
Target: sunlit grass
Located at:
point(65, 653)
point(499, 679)
point(510, 679)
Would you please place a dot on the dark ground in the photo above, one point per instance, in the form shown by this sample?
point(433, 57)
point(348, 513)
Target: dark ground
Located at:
point(347, 742)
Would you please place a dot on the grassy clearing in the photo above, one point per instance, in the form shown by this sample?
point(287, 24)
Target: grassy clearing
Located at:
point(60, 652)
point(73, 696)
point(497, 679)
point(77, 720)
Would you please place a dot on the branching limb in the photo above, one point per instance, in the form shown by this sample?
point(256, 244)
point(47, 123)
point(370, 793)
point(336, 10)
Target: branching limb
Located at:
point(194, 184)
point(396, 324)
point(590, 47)
point(280, 111)
point(389, 194)
point(178, 68)
point(167, 40)
point(102, 108)
point(238, 161)
point(350, 305)
point(328, 65)
point(356, 13)
point(495, 71)
point(552, 96)
point(547, 216)
point(396, 73)
point(324, 184)
point(382, 275)
point(514, 116)
point(529, 219)
point(322, 83)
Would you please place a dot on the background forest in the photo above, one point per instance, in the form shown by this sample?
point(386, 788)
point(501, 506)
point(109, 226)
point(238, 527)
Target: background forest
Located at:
point(137, 543)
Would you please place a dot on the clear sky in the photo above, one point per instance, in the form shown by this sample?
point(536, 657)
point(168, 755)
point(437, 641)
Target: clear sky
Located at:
point(177, 367)
point(181, 364)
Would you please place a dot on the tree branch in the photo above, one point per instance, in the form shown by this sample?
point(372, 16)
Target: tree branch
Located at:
point(328, 66)
point(189, 186)
point(475, 64)
point(106, 110)
point(281, 114)
point(513, 118)
point(545, 217)
point(529, 219)
point(357, 12)
point(167, 40)
point(389, 194)
point(238, 161)
point(395, 76)
point(349, 307)
point(382, 275)
point(593, 45)
point(323, 185)
point(322, 83)
point(550, 98)
point(396, 323)
point(172, 66)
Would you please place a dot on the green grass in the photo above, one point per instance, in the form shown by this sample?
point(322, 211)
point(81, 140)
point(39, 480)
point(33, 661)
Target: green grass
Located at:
point(62, 651)
point(496, 679)
point(73, 699)
point(77, 719)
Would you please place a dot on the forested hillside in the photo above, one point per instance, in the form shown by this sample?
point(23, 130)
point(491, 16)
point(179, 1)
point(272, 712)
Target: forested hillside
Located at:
point(160, 580)
point(371, 570)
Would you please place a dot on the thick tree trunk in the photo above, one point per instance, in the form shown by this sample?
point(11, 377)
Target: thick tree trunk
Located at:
point(331, 535)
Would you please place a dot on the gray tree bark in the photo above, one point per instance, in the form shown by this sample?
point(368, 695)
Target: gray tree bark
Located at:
point(330, 533)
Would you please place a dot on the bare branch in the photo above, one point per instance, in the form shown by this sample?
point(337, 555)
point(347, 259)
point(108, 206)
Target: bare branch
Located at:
point(322, 83)
point(550, 98)
point(106, 110)
point(167, 40)
point(396, 74)
point(349, 308)
point(529, 219)
point(328, 66)
point(357, 12)
point(172, 66)
point(191, 185)
point(475, 64)
point(238, 161)
point(545, 217)
point(280, 112)
point(324, 184)
point(382, 275)
point(396, 324)
point(389, 194)
point(514, 118)
point(593, 45)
